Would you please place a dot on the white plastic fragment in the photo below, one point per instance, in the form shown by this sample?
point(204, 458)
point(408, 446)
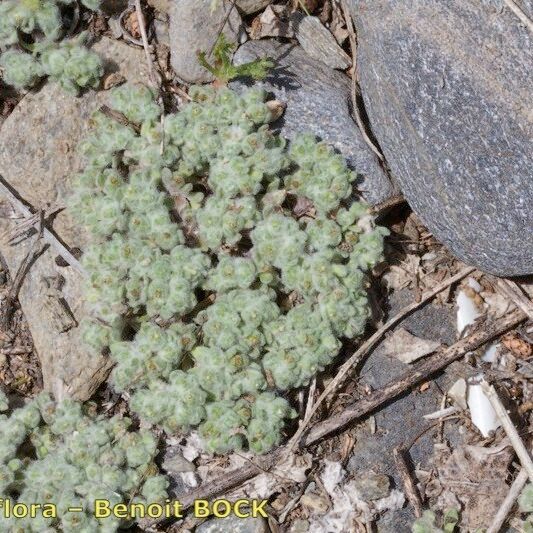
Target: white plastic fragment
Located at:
point(482, 413)
point(467, 311)
point(490, 353)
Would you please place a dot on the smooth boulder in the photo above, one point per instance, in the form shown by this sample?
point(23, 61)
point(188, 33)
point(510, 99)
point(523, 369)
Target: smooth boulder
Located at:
point(447, 88)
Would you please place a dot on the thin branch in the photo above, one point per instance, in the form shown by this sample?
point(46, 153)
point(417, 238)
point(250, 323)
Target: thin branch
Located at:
point(512, 290)
point(48, 235)
point(369, 345)
point(408, 483)
point(505, 508)
point(509, 428)
point(513, 6)
point(354, 91)
point(146, 46)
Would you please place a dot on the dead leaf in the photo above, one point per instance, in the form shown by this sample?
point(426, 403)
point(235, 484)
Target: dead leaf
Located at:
point(404, 274)
point(407, 347)
point(517, 345)
point(471, 477)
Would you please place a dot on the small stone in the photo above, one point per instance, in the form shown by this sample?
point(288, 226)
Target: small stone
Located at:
point(248, 7)
point(175, 463)
point(317, 99)
point(194, 27)
point(314, 502)
point(318, 42)
point(233, 524)
point(299, 526)
point(161, 29)
point(371, 486)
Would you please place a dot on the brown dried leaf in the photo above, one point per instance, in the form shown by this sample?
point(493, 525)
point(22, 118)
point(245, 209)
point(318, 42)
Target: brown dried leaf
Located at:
point(406, 347)
point(517, 345)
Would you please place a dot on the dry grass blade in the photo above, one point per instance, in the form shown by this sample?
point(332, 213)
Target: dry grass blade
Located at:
point(48, 235)
point(505, 508)
point(146, 46)
point(354, 92)
point(369, 344)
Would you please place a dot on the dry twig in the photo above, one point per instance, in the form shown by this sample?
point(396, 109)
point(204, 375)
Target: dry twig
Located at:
point(408, 483)
point(505, 508)
point(512, 290)
point(509, 428)
point(12, 295)
point(355, 90)
point(420, 373)
point(48, 235)
point(368, 345)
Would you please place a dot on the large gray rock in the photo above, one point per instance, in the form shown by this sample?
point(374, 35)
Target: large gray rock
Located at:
point(447, 87)
point(38, 157)
point(194, 27)
point(318, 101)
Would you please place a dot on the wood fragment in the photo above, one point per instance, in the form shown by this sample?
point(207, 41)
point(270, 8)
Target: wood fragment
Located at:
point(235, 478)
point(369, 344)
point(8, 306)
point(507, 504)
point(509, 428)
point(48, 235)
point(409, 485)
point(119, 117)
point(512, 290)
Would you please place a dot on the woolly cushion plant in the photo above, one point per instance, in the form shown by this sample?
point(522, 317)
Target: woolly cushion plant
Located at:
point(236, 259)
point(67, 456)
point(29, 30)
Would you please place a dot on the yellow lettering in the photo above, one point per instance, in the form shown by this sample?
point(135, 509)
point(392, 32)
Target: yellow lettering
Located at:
point(177, 506)
point(49, 510)
point(226, 508)
point(101, 509)
point(201, 508)
point(258, 508)
point(120, 510)
point(237, 509)
point(134, 507)
point(20, 510)
point(154, 510)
